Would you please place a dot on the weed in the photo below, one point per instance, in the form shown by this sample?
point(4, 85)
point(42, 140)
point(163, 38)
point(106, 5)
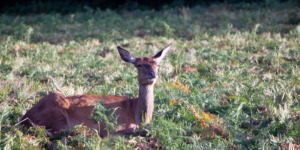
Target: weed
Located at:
point(237, 65)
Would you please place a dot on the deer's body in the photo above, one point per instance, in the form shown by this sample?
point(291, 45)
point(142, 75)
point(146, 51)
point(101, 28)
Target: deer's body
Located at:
point(57, 113)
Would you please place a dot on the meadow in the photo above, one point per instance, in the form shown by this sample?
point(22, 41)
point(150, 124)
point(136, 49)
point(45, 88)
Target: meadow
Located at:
point(231, 80)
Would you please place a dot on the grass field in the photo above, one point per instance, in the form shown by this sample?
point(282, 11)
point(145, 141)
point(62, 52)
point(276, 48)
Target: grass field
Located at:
point(231, 80)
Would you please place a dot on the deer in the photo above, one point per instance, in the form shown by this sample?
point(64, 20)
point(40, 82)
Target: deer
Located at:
point(57, 113)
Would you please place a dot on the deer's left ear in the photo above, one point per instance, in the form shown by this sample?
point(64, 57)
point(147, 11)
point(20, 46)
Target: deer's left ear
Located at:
point(161, 55)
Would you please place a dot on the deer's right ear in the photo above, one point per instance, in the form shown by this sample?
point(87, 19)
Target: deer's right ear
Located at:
point(126, 56)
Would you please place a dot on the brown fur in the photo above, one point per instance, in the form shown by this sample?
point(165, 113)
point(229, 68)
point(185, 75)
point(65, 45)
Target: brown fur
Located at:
point(57, 113)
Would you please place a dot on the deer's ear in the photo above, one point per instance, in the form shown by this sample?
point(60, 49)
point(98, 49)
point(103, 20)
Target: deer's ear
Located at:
point(161, 55)
point(126, 55)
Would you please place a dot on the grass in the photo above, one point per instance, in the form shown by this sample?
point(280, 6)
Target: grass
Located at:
point(231, 81)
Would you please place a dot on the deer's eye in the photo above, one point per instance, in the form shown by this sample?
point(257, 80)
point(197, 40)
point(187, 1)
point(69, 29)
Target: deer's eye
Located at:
point(153, 62)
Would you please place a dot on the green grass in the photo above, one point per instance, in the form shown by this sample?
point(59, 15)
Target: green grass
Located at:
point(246, 58)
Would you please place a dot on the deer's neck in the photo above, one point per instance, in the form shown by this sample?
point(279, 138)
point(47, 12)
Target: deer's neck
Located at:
point(145, 104)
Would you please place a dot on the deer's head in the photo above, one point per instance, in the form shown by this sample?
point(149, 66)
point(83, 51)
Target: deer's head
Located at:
point(147, 66)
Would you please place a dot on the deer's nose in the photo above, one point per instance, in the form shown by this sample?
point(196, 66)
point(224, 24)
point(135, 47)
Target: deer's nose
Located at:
point(153, 74)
